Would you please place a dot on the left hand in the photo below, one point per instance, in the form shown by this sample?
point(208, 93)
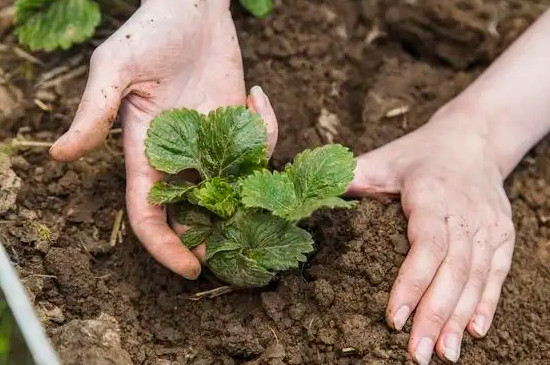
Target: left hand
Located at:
point(460, 230)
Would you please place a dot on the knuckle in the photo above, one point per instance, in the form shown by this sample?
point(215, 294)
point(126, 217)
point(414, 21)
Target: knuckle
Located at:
point(504, 229)
point(458, 319)
point(437, 246)
point(501, 272)
point(460, 269)
point(478, 275)
point(417, 288)
point(414, 288)
point(437, 317)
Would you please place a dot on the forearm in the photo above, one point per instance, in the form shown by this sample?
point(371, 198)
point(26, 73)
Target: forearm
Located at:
point(511, 99)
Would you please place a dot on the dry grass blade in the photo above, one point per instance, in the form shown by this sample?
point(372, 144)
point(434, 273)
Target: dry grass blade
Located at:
point(116, 228)
point(209, 294)
point(79, 71)
point(23, 143)
point(43, 106)
point(19, 52)
point(59, 70)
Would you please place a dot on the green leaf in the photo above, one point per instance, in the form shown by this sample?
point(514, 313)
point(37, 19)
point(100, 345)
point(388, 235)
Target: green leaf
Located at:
point(171, 144)
point(236, 269)
point(322, 172)
point(253, 245)
point(273, 191)
point(189, 214)
point(218, 196)
point(218, 243)
point(196, 235)
point(259, 8)
point(232, 142)
point(165, 193)
point(199, 222)
point(228, 142)
point(50, 24)
point(315, 180)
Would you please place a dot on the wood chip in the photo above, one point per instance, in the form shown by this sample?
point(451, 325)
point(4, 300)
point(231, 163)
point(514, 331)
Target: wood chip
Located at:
point(42, 105)
point(397, 111)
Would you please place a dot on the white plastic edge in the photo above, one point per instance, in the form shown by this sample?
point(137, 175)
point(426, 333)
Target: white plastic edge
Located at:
point(23, 312)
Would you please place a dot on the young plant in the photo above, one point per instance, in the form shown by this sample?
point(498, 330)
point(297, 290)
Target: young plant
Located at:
point(246, 214)
point(46, 25)
point(50, 24)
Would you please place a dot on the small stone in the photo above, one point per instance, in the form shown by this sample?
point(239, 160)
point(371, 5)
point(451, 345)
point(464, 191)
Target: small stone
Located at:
point(50, 312)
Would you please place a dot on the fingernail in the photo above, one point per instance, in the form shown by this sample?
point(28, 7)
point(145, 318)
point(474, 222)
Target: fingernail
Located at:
point(258, 97)
point(424, 351)
point(401, 317)
point(478, 325)
point(451, 347)
point(55, 144)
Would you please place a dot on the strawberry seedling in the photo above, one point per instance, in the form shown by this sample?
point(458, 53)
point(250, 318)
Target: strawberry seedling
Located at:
point(47, 25)
point(246, 214)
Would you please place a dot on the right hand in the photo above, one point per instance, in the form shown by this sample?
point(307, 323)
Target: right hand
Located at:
point(459, 226)
point(170, 53)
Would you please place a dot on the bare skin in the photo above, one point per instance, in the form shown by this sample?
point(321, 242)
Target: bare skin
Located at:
point(145, 67)
point(449, 172)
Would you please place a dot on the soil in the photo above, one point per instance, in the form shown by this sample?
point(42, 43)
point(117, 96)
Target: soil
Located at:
point(361, 73)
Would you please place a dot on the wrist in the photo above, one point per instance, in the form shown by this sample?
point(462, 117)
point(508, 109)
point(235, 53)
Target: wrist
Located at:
point(483, 130)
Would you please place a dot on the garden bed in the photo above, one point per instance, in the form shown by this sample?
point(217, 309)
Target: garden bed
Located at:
point(351, 72)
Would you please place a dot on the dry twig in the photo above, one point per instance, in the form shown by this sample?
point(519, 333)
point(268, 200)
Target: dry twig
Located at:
point(116, 228)
point(19, 52)
point(209, 294)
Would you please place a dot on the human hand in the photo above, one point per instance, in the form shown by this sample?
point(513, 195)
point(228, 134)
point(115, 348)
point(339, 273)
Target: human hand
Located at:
point(460, 230)
point(170, 53)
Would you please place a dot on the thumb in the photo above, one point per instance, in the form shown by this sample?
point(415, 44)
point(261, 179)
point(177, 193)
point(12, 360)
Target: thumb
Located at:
point(259, 102)
point(96, 112)
point(377, 173)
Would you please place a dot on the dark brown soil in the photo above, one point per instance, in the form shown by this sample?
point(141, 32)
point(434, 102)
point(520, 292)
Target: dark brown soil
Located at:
point(335, 71)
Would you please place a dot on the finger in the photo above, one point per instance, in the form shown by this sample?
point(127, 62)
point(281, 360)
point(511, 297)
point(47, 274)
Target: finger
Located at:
point(448, 344)
point(149, 221)
point(180, 229)
point(96, 113)
point(500, 266)
point(439, 301)
point(428, 236)
point(259, 102)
